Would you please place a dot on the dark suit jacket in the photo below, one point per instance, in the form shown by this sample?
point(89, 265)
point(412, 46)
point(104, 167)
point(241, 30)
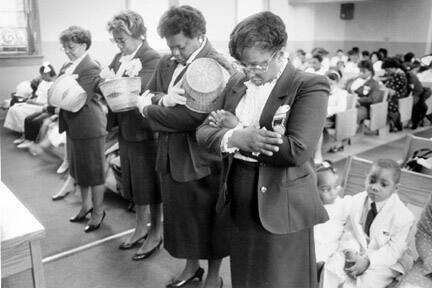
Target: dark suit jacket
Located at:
point(90, 120)
point(133, 127)
point(288, 199)
point(375, 95)
point(177, 148)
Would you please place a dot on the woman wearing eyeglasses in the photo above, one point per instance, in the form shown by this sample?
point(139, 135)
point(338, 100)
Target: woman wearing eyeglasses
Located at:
point(136, 139)
point(267, 131)
point(85, 129)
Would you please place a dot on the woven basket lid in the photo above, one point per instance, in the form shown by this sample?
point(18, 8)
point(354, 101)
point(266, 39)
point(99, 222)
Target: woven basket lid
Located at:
point(203, 82)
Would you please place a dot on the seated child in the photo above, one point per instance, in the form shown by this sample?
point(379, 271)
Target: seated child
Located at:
point(420, 276)
point(18, 112)
point(327, 234)
point(375, 235)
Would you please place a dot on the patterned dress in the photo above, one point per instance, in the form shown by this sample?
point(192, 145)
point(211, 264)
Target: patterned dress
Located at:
point(420, 276)
point(399, 83)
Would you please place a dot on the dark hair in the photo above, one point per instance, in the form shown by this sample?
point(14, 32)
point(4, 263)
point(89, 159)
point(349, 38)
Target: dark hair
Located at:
point(51, 73)
point(339, 50)
point(392, 62)
point(408, 57)
point(318, 57)
point(301, 51)
point(129, 22)
point(383, 52)
point(353, 52)
point(365, 53)
point(76, 34)
point(264, 30)
point(356, 49)
point(389, 164)
point(182, 19)
point(333, 74)
point(366, 64)
point(378, 55)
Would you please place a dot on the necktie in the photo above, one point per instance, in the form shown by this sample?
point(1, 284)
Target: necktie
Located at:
point(370, 217)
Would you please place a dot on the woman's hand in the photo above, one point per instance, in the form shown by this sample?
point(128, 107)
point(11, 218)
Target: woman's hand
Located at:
point(391, 92)
point(223, 119)
point(256, 140)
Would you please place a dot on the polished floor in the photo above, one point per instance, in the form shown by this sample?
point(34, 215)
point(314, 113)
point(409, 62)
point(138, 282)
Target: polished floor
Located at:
point(76, 259)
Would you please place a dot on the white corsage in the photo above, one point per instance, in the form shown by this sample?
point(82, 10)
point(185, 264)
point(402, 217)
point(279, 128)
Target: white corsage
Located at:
point(133, 67)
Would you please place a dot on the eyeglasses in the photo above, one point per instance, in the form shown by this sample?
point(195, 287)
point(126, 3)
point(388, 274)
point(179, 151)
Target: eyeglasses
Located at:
point(120, 41)
point(68, 47)
point(255, 68)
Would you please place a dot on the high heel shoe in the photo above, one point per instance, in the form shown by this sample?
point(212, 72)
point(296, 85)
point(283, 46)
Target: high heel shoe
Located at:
point(126, 246)
point(180, 283)
point(91, 227)
point(78, 218)
point(145, 255)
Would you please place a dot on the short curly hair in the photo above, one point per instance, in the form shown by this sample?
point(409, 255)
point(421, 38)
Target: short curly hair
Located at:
point(129, 22)
point(392, 62)
point(186, 19)
point(264, 30)
point(366, 64)
point(76, 34)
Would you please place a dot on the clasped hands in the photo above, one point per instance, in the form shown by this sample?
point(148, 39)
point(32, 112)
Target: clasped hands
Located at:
point(250, 139)
point(360, 265)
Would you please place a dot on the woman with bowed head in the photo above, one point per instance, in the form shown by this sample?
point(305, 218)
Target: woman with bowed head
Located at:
point(268, 125)
point(137, 142)
point(85, 128)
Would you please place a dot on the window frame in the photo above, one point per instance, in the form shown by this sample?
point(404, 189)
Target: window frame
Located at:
point(34, 54)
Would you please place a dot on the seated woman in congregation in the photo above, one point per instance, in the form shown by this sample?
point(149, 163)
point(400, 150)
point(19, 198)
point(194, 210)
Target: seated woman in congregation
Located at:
point(420, 276)
point(35, 104)
point(368, 93)
point(337, 103)
point(397, 84)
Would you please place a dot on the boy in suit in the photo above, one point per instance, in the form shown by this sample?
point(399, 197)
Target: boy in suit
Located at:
point(375, 236)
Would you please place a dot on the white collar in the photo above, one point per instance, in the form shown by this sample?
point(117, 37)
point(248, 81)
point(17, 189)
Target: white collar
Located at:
point(76, 62)
point(379, 204)
point(130, 56)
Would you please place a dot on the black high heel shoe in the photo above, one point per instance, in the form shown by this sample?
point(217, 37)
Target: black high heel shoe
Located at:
point(145, 255)
point(126, 246)
point(180, 283)
point(78, 218)
point(90, 227)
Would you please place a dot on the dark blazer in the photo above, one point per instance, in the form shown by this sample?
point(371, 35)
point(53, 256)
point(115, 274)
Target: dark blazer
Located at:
point(288, 199)
point(133, 127)
point(375, 95)
point(177, 146)
point(90, 120)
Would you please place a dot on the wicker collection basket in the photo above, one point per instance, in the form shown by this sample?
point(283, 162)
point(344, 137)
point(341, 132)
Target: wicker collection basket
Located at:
point(203, 82)
point(67, 94)
point(121, 93)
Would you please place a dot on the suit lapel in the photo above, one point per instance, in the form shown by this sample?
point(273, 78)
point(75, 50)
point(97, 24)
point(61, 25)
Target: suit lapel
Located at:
point(381, 220)
point(81, 65)
point(282, 89)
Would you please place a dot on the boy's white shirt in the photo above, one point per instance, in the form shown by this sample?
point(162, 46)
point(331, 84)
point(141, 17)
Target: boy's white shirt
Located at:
point(388, 237)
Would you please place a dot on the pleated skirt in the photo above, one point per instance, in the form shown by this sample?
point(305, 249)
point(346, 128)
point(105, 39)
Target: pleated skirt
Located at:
point(87, 160)
point(260, 259)
point(192, 228)
point(138, 174)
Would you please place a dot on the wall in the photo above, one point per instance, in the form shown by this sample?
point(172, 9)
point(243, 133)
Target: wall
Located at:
point(398, 25)
point(56, 16)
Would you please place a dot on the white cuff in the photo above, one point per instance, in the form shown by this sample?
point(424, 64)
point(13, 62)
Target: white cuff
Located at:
point(225, 139)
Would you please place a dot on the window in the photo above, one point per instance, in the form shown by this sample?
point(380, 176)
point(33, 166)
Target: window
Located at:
point(19, 28)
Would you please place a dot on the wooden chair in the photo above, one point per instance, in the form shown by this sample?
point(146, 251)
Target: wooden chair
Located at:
point(414, 189)
point(346, 122)
point(414, 143)
point(405, 108)
point(378, 113)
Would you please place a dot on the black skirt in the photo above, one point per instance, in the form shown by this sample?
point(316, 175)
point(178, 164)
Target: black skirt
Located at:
point(138, 174)
point(87, 160)
point(260, 259)
point(192, 228)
